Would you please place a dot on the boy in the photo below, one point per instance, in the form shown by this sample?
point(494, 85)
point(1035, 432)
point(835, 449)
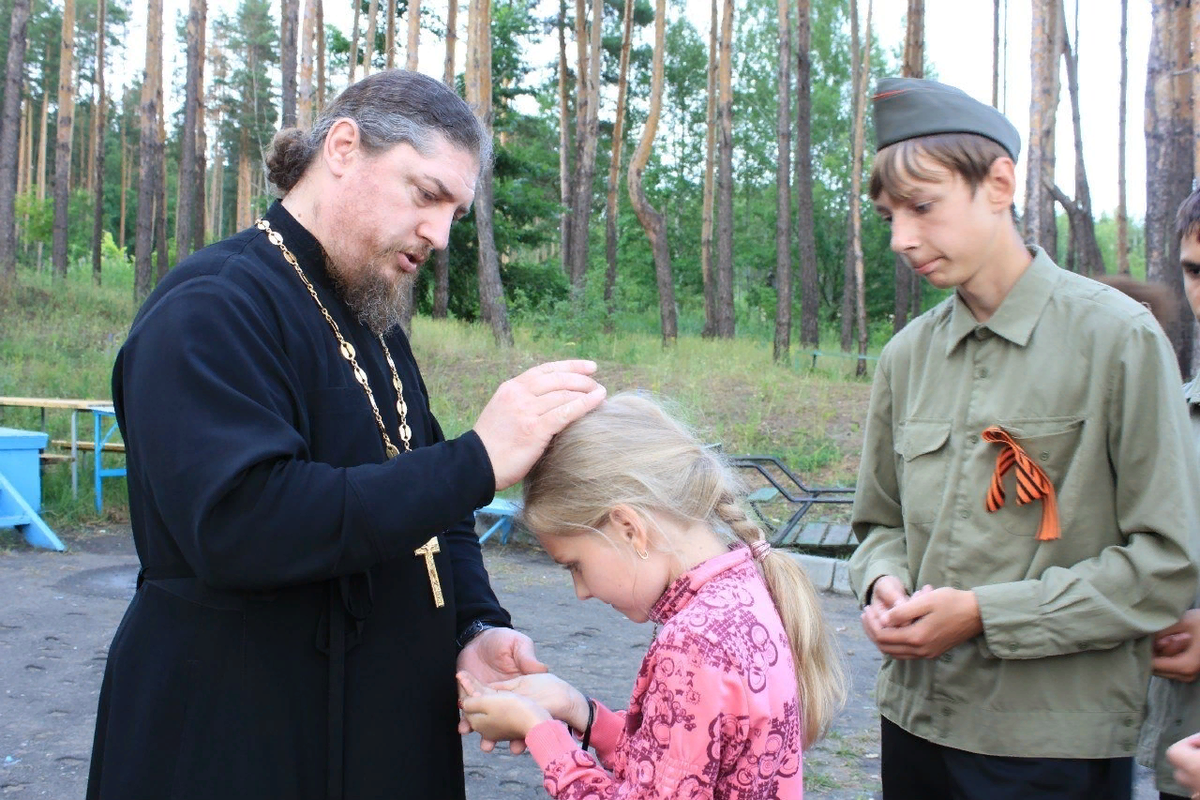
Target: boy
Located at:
point(1174, 694)
point(1027, 466)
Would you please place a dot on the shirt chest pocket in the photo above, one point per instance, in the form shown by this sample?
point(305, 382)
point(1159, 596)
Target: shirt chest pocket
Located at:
point(1052, 445)
point(923, 453)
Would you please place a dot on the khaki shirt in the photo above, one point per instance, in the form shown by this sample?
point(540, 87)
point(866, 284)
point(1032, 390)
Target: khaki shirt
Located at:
point(1174, 706)
point(1083, 377)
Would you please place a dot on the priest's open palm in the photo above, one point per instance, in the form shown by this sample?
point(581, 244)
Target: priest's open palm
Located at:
point(526, 411)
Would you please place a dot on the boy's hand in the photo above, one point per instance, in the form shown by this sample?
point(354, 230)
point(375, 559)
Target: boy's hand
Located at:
point(1177, 649)
point(562, 700)
point(498, 715)
point(887, 592)
point(926, 625)
point(1184, 755)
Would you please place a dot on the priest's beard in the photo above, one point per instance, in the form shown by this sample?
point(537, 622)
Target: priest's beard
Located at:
point(378, 300)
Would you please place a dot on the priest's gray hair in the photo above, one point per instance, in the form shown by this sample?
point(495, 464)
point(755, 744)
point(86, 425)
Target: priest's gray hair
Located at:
point(390, 107)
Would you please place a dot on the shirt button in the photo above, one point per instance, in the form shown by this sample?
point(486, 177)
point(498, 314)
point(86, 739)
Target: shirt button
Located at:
point(945, 711)
point(982, 372)
point(1012, 647)
point(1044, 456)
point(956, 584)
point(965, 514)
point(972, 439)
point(1083, 645)
point(1126, 722)
point(945, 658)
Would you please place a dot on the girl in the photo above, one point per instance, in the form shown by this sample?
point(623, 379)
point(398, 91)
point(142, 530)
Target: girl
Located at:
point(741, 673)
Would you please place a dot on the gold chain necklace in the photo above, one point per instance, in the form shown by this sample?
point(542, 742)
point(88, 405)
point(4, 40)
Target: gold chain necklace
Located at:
point(347, 351)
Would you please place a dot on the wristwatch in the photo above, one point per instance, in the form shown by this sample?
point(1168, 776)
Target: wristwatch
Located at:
point(471, 631)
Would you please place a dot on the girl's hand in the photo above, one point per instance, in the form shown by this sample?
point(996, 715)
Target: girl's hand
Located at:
point(498, 715)
point(562, 700)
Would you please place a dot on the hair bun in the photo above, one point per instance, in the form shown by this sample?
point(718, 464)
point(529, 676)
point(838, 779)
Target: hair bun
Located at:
point(289, 156)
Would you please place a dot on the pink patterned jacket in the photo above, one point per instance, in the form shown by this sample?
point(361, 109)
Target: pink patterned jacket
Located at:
point(715, 711)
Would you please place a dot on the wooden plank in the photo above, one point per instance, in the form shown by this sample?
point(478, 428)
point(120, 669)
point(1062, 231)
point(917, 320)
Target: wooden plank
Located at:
point(811, 533)
point(109, 447)
point(55, 458)
point(53, 402)
point(840, 535)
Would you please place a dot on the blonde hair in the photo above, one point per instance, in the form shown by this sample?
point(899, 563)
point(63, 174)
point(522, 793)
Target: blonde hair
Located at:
point(630, 451)
point(897, 165)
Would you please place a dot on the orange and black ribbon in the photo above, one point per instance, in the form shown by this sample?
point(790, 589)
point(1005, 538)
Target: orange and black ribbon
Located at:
point(1031, 480)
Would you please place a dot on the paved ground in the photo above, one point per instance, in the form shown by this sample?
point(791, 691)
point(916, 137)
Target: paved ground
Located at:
point(58, 613)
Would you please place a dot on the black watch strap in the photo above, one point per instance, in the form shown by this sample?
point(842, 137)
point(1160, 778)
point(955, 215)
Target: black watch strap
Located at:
point(471, 631)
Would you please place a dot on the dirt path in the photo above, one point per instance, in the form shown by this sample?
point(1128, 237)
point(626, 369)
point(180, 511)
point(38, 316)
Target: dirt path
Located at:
point(58, 613)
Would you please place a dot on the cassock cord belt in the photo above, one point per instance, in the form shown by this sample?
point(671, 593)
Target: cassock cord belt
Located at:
point(1031, 481)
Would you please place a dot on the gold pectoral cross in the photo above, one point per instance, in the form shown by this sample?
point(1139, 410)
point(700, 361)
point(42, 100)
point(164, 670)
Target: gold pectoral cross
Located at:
point(427, 550)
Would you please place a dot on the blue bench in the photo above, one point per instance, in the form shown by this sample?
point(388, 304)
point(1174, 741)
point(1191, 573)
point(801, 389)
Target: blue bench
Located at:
point(504, 511)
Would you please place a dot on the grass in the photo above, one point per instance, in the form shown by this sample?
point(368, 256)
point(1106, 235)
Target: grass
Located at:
point(59, 339)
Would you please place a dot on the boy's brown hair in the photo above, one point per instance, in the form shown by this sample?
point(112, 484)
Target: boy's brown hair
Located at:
point(968, 154)
point(1187, 218)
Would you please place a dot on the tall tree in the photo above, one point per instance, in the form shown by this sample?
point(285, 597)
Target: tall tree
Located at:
point(1169, 159)
point(810, 290)
point(320, 53)
point(100, 123)
point(441, 264)
point(724, 220)
point(1045, 48)
point(614, 165)
point(65, 128)
point(995, 53)
point(369, 39)
point(9, 134)
point(587, 132)
point(479, 96)
point(1083, 253)
point(847, 313)
point(1122, 210)
point(783, 194)
point(289, 23)
point(653, 221)
point(414, 34)
point(908, 282)
point(710, 162)
point(354, 40)
point(143, 274)
point(160, 202)
point(391, 33)
point(191, 187)
point(306, 91)
point(564, 140)
point(856, 160)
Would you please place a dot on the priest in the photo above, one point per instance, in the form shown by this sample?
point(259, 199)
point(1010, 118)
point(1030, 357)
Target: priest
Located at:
point(310, 576)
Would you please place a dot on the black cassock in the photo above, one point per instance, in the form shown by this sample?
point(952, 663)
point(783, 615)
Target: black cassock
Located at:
point(261, 498)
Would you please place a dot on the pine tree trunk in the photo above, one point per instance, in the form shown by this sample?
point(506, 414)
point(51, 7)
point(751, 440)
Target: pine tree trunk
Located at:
point(652, 221)
point(160, 204)
point(98, 141)
point(354, 40)
point(848, 262)
point(614, 166)
point(243, 183)
point(289, 22)
point(414, 34)
point(1084, 251)
point(908, 283)
point(45, 133)
point(995, 53)
point(369, 44)
point(724, 220)
point(320, 54)
point(783, 194)
point(1169, 159)
point(860, 125)
point(1122, 207)
point(1040, 227)
point(185, 212)
point(564, 140)
point(710, 162)
point(62, 150)
point(126, 177)
point(479, 96)
point(305, 92)
point(10, 144)
point(441, 265)
point(810, 290)
point(586, 137)
point(391, 33)
point(143, 273)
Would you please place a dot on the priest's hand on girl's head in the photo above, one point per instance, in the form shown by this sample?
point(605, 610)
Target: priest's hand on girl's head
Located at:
point(526, 411)
point(498, 715)
point(561, 699)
